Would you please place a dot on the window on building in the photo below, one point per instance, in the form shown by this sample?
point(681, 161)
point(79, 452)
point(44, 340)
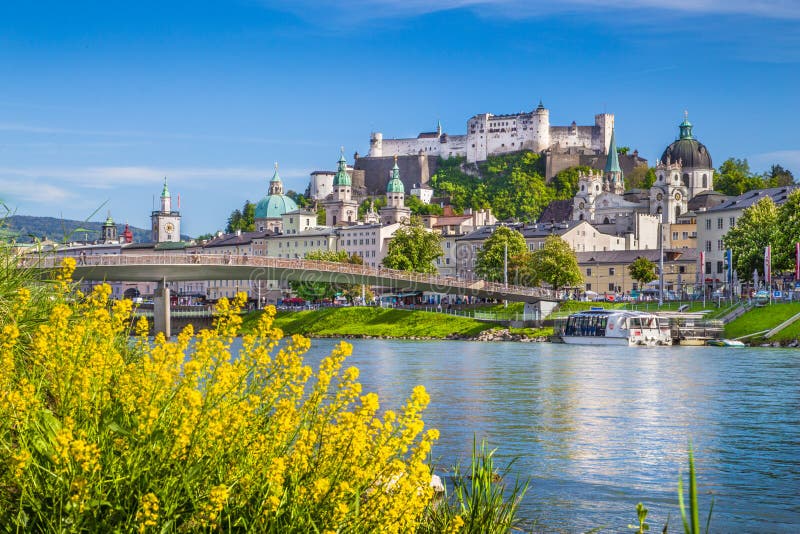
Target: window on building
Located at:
point(719, 266)
point(685, 235)
point(611, 286)
point(588, 271)
point(720, 246)
point(708, 224)
point(611, 271)
point(719, 223)
point(682, 269)
point(674, 236)
point(708, 267)
point(708, 246)
point(588, 287)
point(732, 222)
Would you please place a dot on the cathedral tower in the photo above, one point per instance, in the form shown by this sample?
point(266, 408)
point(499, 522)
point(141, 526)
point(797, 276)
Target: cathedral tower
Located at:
point(395, 210)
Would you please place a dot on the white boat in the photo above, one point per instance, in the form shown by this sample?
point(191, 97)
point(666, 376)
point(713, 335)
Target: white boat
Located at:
point(616, 327)
point(725, 343)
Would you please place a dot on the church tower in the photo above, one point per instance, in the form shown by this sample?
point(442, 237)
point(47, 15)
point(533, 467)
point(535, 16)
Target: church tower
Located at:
point(109, 230)
point(166, 222)
point(613, 179)
point(395, 210)
point(340, 208)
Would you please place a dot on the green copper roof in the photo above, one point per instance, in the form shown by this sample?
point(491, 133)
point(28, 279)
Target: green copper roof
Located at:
point(109, 221)
point(275, 177)
point(165, 191)
point(274, 207)
point(686, 128)
point(612, 163)
point(342, 178)
point(395, 184)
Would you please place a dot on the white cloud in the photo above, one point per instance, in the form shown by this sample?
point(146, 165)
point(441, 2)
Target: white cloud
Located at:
point(114, 176)
point(24, 190)
point(54, 130)
point(788, 159)
point(382, 9)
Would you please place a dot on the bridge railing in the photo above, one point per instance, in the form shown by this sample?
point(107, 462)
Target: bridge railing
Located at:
point(378, 273)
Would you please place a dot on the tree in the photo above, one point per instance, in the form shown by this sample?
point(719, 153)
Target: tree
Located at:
point(364, 207)
point(490, 261)
point(641, 177)
point(777, 176)
point(734, 178)
point(755, 229)
point(566, 182)
point(413, 248)
point(623, 150)
point(789, 234)
point(642, 270)
point(315, 291)
point(301, 200)
point(556, 264)
point(244, 220)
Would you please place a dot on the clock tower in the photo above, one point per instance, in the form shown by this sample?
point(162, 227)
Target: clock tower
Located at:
point(166, 222)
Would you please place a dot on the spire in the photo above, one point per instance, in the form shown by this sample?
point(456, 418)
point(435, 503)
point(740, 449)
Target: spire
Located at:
point(165, 190)
point(686, 126)
point(395, 184)
point(541, 106)
point(342, 178)
point(109, 220)
point(612, 162)
point(275, 185)
point(439, 128)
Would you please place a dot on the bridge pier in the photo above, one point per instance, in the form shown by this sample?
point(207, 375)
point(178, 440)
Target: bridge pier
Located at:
point(161, 310)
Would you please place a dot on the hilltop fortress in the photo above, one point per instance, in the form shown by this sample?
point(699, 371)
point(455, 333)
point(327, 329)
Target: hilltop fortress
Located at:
point(490, 135)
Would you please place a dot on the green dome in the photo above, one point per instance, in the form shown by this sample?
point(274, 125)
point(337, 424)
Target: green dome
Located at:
point(274, 206)
point(395, 184)
point(342, 178)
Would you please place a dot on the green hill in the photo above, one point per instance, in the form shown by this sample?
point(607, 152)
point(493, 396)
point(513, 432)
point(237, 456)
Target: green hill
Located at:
point(25, 229)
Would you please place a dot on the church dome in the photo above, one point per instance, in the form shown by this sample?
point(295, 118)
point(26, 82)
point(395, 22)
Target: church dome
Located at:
point(395, 185)
point(687, 150)
point(275, 204)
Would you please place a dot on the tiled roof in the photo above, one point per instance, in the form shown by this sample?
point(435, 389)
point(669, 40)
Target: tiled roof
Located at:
point(778, 195)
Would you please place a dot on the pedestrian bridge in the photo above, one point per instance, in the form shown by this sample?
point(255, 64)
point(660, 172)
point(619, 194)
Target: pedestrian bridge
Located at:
point(198, 267)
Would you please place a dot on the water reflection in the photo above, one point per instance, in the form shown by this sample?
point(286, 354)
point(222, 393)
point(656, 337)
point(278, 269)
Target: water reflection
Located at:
point(599, 429)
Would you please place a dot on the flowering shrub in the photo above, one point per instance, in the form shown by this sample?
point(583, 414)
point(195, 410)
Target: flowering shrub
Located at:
point(103, 432)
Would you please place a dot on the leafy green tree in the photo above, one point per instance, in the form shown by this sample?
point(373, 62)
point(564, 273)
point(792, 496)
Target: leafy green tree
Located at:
point(556, 264)
point(413, 248)
point(315, 291)
point(490, 260)
point(363, 208)
point(244, 220)
point(755, 229)
point(789, 234)
point(301, 200)
point(234, 221)
point(641, 177)
point(418, 207)
point(204, 237)
point(734, 178)
point(777, 176)
point(642, 270)
point(566, 182)
point(623, 150)
point(321, 216)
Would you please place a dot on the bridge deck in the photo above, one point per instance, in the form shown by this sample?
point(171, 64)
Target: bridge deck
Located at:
point(189, 267)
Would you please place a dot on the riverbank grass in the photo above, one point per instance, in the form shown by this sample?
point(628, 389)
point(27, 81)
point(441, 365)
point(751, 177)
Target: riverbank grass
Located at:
point(768, 317)
point(371, 322)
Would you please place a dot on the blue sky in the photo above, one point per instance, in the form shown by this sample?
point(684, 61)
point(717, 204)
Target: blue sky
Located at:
point(100, 100)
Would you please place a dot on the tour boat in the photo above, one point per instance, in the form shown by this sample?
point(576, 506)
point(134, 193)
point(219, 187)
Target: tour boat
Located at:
point(616, 327)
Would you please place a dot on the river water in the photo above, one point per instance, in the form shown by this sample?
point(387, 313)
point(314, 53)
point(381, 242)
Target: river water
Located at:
point(598, 429)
